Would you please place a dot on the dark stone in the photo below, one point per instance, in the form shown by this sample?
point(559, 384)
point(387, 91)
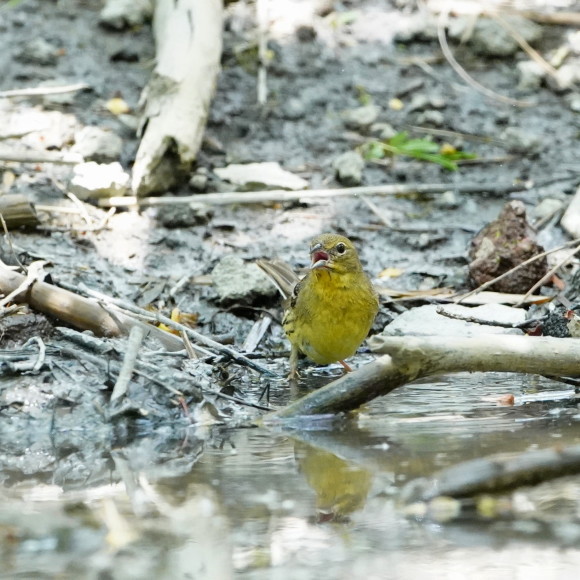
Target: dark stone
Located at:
point(503, 244)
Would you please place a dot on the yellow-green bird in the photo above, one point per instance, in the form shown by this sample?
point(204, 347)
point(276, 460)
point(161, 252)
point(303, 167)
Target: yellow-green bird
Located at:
point(331, 310)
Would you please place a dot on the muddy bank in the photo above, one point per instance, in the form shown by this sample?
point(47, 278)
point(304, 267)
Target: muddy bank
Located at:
point(342, 77)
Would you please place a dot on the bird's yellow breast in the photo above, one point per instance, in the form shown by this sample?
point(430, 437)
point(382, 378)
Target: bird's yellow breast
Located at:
point(331, 314)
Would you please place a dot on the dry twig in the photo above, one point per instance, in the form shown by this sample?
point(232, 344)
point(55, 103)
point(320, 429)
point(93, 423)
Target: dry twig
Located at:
point(548, 275)
point(441, 26)
point(121, 306)
point(133, 345)
point(42, 91)
point(282, 195)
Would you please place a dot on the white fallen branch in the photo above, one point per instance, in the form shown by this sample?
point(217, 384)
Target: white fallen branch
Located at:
point(282, 195)
point(136, 336)
point(188, 36)
point(409, 358)
point(43, 91)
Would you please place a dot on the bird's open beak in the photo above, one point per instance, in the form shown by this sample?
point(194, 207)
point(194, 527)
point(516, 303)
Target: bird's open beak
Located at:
point(319, 257)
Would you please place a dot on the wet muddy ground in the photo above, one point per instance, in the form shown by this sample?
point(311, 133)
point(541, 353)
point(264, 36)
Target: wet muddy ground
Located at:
point(152, 487)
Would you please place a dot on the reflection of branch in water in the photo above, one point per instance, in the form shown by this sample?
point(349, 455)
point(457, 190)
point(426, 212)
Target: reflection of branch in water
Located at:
point(496, 473)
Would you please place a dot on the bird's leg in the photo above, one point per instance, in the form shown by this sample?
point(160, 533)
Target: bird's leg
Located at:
point(293, 375)
point(346, 368)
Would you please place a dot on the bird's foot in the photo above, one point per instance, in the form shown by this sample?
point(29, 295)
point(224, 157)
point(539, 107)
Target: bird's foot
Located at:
point(346, 367)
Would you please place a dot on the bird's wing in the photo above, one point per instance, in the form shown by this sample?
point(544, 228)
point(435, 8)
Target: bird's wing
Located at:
point(281, 274)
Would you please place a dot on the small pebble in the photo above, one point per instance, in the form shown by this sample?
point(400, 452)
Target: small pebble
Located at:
point(39, 52)
point(547, 207)
point(489, 39)
point(431, 118)
point(361, 117)
point(531, 75)
point(349, 168)
point(294, 109)
point(384, 131)
point(96, 144)
point(238, 281)
point(198, 181)
point(180, 216)
point(519, 141)
point(573, 101)
point(94, 180)
point(447, 200)
point(305, 33)
point(121, 14)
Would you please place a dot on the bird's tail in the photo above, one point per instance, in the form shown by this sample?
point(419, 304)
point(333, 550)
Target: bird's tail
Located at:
point(281, 274)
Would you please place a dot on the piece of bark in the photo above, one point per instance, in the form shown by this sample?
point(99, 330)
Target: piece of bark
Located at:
point(76, 310)
point(188, 36)
point(62, 304)
point(17, 211)
point(407, 359)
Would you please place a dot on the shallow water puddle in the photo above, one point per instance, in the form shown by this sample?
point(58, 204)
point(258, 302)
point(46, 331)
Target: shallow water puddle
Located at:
point(303, 504)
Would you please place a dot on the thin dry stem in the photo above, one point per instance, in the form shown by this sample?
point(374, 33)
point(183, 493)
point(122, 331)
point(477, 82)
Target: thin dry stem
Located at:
point(441, 25)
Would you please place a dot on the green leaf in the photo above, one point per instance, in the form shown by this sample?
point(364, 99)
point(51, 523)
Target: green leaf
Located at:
point(424, 149)
point(419, 146)
point(363, 96)
point(10, 4)
point(398, 139)
point(340, 19)
point(373, 150)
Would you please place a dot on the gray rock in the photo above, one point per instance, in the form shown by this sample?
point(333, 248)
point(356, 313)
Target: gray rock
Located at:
point(422, 102)
point(447, 200)
point(94, 180)
point(425, 321)
point(96, 144)
point(38, 51)
point(266, 175)
point(547, 207)
point(571, 219)
point(488, 38)
point(293, 109)
point(567, 76)
point(40, 128)
point(121, 14)
point(349, 167)
point(531, 75)
point(384, 131)
point(518, 141)
point(361, 117)
point(198, 181)
point(433, 118)
point(180, 216)
point(421, 26)
point(129, 121)
point(437, 102)
point(238, 281)
point(419, 102)
point(573, 101)
point(306, 33)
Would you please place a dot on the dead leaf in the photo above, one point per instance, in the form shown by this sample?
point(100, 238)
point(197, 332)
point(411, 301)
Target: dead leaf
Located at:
point(117, 106)
point(390, 273)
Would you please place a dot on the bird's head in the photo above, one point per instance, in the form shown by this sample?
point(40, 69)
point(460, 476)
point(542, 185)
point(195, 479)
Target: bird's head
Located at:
point(334, 253)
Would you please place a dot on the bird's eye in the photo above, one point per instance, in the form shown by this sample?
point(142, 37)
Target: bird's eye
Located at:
point(340, 248)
